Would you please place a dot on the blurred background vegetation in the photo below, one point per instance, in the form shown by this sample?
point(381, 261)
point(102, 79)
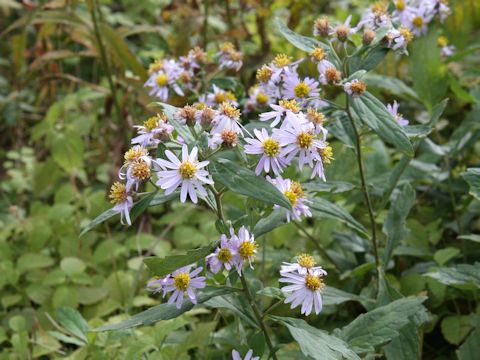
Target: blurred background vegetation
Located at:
point(71, 88)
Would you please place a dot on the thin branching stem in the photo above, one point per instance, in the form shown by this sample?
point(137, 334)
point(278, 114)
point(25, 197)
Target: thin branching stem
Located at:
point(258, 316)
point(366, 194)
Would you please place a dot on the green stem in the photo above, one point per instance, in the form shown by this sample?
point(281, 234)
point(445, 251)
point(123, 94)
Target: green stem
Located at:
point(319, 247)
point(364, 186)
point(103, 56)
point(258, 315)
point(218, 201)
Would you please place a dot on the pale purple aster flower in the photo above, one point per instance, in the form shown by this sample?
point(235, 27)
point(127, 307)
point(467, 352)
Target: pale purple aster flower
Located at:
point(182, 282)
point(393, 109)
point(219, 96)
point(227, 117)
point(248, 355)
point(229, 57)
point(398, 39)
point(374, 18)
point(419, 19)
point(403, 12)
point(153, 131)
point(246, 248)
point(447, 50)
point(305, 263)
point(304, 290)
point(294, 193)
point(136, 172)
point(224, 255)
point(299, 138)
point(280, 65)
point(165, 79)
point(187, 173)
point(270, 149)
point(256, 99)
point(122, 200)
point(158, 284)
point(435, 7)
point(286, 111)
point(295, 88)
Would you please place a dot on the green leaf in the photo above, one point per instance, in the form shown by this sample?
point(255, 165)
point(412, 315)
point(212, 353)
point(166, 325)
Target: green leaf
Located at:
point(472, 177)
point(456, 328)
point(394, 225)
point(437, 111)
point(304, 43)
point(234, 304)
point(314, 342)
point(73, 321)
point(181, 129)
point(380, 325)
point(275, 219)
point(157, 199)
point(368, 58)
point(471, 237)
point(390, 84)
point(324, 209)
point(31, 261)
point(141, 206)
point(330, 186)
point(443, 256)
point(244, 181)
point(471, 347)
point(67, 151)
point(163, 266)
point(165, 311)
point(72, 266)
point(462, 275)
point(369, 110)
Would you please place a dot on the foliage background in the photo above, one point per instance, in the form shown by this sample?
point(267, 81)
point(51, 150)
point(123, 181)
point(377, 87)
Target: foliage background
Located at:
point(63, 138)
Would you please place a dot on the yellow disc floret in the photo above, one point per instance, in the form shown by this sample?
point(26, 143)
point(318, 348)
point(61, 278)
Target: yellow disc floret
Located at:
point(291, 105)
point(406, 33)
point(327, 154)
point(264, 74)
point(292, 196)
point(442, 41)
point(261, 98)
point(318, 54)
point(296, 188)
point(305, 260)
point(417, 21)
point(247, 249)
point(181, 280)
point(281, 60)
point(229, 110)
point(141, 170)
point(271, 147)
point(301, 90)
point(162, 80)
point(313, 282)
point(400, 5)
point(305, 140)
point(135, 153)
point(224, 255)
point(118, 193)
point(187, 170)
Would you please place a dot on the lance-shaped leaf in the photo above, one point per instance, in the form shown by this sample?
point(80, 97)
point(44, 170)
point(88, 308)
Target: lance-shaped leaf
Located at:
point(165, 265)
point(369, 110)
point(380, 325)
point(314, 342)
point(165, 311)
point(304, 43)
point(151, 199)
point(322, 208)
point(244, 181)
point(275, 219)
point(464, 276)
point(472, 177)
point(394, 225)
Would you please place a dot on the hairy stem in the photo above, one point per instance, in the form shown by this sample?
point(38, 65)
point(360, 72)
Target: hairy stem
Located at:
point(258, 315)
point(366, 194)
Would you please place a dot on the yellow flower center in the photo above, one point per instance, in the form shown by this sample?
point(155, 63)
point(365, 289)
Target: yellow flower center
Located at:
point(220, 97)
point(162, 80)
point(229, 138)
point(290, 105)
point(271, 147)
point(262, 98)
point(181, 281)
point(264, 74)
point(187, 170)
point(313, 282)
point(318, 54)
point(135, 153)
point(229, 110)
point(358, 87)
point(292, 196)
point(151, 123)
point(247, 249)
point(224, 255)
point(315, 117)
point(417, 21)
point(305, 260)
point(118, 193)
point(141, 170)
point(400, 5)
point(379, 8)
point(281, 60)
point(227, 47)
point(327, 154)
point(407, 35)
point(156, 66)
point(296, 188)
point(301, 90)
point(304, 140)
point(442, 41)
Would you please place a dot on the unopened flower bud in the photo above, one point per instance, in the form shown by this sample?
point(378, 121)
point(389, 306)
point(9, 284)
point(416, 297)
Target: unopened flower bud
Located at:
point(321, 27)
point(368, 36)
